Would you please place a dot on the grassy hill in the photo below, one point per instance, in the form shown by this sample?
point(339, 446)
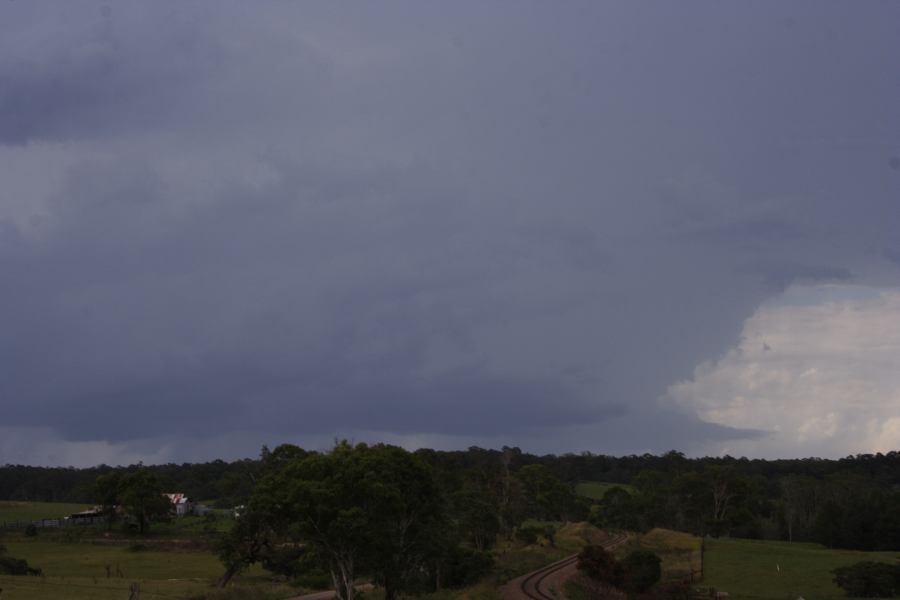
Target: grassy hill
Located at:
point(680, 552)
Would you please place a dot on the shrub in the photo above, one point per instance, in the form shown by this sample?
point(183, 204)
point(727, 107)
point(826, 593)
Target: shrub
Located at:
point(527, 535)
point(286, 561)
point(675, 590)
point(466, 566)
point(600, 565)
point(16, 566)
point(641, 571)
point(31, 530)
point(869, 579)
point(13, 566)
point(314, 580)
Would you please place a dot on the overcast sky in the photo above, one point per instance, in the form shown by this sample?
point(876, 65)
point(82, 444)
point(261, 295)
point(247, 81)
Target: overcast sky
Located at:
point(609, 226)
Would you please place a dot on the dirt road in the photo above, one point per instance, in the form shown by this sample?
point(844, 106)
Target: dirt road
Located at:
point(367, 587)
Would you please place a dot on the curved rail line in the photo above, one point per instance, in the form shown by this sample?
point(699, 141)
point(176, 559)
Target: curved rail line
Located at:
point(531, 585)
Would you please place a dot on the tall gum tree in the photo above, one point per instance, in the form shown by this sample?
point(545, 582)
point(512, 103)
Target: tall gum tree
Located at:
point(364, 509)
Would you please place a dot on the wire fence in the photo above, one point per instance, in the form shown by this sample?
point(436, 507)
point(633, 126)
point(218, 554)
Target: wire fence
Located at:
point(54, 523)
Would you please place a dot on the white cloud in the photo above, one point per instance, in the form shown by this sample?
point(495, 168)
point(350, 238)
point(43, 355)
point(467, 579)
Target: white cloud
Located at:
point(819, 369)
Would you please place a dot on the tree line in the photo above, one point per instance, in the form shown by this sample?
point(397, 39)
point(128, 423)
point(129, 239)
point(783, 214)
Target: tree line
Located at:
point(852, 502)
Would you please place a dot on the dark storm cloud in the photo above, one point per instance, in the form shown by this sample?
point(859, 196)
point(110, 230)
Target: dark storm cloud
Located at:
point(501, 224)
point(83, 74)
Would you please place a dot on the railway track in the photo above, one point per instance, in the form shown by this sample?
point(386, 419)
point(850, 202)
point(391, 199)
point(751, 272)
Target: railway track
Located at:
point(531, 586)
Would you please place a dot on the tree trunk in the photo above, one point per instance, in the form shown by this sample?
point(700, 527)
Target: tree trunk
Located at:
point(226, 577)
point(342, 576)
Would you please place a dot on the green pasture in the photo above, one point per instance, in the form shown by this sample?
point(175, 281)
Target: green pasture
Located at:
point(78, 570)
point(81, 588)
point(86, 588)
point(595, 490)
point(58, 559)
point(34, 511)
point(751, 569)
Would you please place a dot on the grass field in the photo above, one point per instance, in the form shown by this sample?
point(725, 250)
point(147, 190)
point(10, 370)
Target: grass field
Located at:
point(78, 571)
point(58, 559)
point(596, 489)
point(170, 564)
point(34, 511)
point(75, 588)
point(751, 569)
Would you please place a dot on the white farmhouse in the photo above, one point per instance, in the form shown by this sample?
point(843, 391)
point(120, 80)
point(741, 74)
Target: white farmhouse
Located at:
point(181, 504)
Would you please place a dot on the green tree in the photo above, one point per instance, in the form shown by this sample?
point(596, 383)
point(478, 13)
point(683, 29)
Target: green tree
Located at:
point(107, 492)
point(641, 571)
point(251, 540)
point(799, 504)
point(361, 509)
point(653, 500)
point(142, 497)
point(869, 579)
point(708, 501)
point(602, 569)
point(477, 517)
point(547, 497)
point(618, 509)
point(726, 488)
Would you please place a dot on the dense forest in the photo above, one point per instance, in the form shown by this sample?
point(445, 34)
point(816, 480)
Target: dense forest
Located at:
point(852, 502)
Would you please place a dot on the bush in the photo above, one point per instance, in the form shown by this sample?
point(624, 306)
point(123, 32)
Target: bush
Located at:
point(31, 530)
point(16, 566)
point(600, 565)
point(287, 561)
point(527, 535)
point(869, 579)
point(13, 566)
point(675, 590)
point(466, 566)
point(641, 571)
point(314, 580)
